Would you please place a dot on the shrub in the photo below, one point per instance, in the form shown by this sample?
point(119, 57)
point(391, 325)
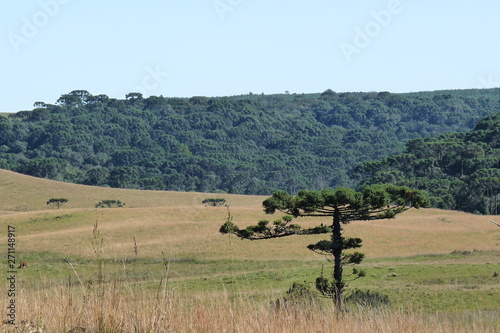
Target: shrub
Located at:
point(367, 298)
point(214, 202)
point(109, 204)
point(298, 294)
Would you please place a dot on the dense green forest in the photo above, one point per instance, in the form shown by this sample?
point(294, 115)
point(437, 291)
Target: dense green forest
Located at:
point(249, 144)
point(459, 171)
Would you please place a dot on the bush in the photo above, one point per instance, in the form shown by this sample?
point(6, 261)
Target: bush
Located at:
point(214, 202)
point(298, 294)
point(109, 204)
point(367, 298)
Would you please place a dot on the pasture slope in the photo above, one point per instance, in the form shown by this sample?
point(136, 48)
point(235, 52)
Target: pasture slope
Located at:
point(438, 267)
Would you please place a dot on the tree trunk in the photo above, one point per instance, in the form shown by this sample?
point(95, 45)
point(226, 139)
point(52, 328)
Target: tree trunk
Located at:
point(337, 256)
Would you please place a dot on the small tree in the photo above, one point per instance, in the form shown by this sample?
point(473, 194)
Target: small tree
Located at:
point(343, 205)
point(58, 202)
point(215, 202)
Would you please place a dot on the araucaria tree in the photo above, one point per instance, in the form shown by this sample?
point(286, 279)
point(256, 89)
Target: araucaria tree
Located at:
point(57, 201)
point(343, 205)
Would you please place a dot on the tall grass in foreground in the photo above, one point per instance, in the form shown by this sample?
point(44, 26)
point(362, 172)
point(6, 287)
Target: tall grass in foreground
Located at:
point(101, 303)
point(127, 307)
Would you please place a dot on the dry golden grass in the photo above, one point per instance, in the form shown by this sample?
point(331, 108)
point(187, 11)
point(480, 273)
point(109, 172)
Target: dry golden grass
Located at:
point(180, 226)
point(25, 193)
point(426, 231)
point(124, 308)
point(193, 231)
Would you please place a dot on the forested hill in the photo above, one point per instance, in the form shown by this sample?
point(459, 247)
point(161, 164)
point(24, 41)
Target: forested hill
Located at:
point(251, 144)
point(459, 171)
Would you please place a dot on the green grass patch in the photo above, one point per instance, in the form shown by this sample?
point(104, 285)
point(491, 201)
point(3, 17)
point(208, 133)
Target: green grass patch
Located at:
point(429, 286)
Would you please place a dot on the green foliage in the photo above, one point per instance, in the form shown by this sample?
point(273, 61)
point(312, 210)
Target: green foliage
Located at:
point(367, 298)
point(328, 287)
point(252, 144)
point(372, 202)
point(57, 201)
point(299, 294)
point(459, 171)
point(263, 230)
point(353, 258)
point(53, 168)
point(109, 204)
point(229, 228)
point(214, 202)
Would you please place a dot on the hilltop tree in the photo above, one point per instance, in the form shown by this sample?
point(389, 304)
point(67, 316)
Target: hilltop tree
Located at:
point(343, 205)
point(57, 201)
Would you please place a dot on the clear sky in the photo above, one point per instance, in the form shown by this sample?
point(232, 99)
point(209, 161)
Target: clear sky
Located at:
point(231, 47)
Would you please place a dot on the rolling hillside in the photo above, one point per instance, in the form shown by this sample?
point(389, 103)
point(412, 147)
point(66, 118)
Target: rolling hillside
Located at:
point(26, 193)
point(180, 223)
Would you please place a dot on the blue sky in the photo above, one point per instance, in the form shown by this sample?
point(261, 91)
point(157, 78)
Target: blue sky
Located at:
point(232, 47)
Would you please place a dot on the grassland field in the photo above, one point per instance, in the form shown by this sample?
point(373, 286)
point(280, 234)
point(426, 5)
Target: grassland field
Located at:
point(428, 261)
